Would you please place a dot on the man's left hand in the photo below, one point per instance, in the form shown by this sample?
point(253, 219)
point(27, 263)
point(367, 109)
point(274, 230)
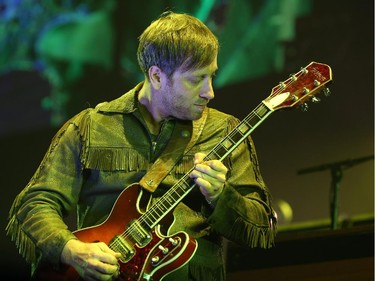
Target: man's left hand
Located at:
point(210, 176)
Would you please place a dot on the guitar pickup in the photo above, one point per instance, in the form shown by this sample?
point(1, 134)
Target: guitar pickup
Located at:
point(121, 245)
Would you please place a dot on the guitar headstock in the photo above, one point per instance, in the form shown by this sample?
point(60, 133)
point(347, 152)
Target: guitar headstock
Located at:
point(301, 87)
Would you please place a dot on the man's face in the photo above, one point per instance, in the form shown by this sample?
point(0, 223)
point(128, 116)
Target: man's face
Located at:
point(187, 93)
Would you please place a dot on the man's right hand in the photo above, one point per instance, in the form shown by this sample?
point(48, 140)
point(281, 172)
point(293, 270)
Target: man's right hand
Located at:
point(92, 261)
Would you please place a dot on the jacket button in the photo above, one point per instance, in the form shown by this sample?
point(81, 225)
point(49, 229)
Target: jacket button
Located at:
point(185, 134)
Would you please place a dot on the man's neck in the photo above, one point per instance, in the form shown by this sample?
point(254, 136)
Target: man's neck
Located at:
point(152, 125)
point(148, 112)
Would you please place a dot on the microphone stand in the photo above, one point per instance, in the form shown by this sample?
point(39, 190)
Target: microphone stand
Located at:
point(336, 169)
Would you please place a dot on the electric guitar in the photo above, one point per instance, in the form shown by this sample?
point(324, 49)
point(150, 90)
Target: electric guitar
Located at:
point(148, 254)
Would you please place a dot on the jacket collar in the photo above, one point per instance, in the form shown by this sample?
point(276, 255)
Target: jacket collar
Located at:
point(127, 103)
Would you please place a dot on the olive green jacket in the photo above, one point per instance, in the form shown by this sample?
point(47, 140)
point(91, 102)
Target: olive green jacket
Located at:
point(100, 151)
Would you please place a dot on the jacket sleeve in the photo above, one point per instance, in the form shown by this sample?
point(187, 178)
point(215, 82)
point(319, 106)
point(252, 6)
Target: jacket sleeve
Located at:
point(36, 218)
point(243, 212)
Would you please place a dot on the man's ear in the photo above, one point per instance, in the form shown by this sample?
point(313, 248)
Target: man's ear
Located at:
point(155, 75)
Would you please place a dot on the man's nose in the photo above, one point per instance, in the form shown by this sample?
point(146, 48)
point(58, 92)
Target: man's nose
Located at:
point(208, 90)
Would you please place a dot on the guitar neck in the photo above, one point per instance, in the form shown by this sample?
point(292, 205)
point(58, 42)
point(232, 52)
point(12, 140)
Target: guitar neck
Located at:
point(225, 147)
point(239, 133)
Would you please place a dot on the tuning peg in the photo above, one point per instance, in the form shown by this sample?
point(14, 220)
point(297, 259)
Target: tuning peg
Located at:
point(304, 70)
point(326, 92)
point(315, 99)
point(305, 90)
point(163, 249)
point(173, 241)
point(155, 259)
point(304, 107)
point(293, 77)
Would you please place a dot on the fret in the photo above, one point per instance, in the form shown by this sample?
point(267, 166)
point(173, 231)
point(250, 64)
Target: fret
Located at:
point(175, 194)
point(162, 207)
point(172, 195)
point(167, 203)
point(154, 214)
point(171, 198)
point(257, 115)
point(148, 221)
point(243, 127)
point(150, 216)
point(235, 136)
point(211, 156)
point(253, 121)
point(261, 110)
point(228, 142)
point(217, 152)
point(185, 182)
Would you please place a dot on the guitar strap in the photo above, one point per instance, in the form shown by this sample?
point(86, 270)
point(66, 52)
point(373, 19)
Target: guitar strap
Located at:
point(179, 144)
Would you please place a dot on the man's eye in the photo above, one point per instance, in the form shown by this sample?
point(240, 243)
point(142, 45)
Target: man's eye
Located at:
point(197, 79)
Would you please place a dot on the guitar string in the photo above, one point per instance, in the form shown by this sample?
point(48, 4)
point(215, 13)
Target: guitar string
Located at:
point(148, 215)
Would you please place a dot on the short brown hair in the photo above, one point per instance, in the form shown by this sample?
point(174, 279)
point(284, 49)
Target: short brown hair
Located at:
point(176, 40)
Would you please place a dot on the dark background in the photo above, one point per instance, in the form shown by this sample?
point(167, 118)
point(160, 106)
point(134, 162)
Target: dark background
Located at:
point(339, 128)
